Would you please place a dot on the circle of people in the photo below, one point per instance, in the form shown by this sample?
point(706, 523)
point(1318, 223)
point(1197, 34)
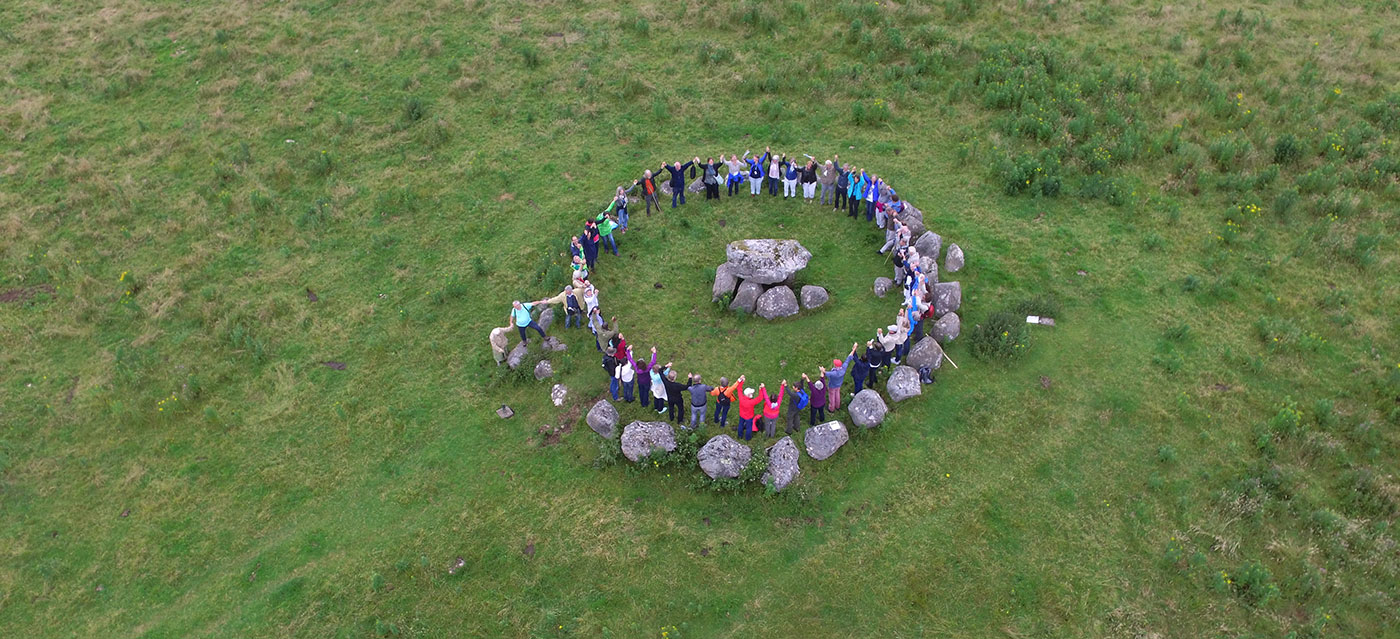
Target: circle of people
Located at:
point(849, 189)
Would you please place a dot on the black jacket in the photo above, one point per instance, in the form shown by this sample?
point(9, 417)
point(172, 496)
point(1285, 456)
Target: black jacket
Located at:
point(678, 175)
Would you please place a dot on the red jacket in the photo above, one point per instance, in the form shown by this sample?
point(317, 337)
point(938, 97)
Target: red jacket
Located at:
point(747, 404)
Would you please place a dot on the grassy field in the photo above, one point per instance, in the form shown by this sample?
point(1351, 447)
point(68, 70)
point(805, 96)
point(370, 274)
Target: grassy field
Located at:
point(1205, 446)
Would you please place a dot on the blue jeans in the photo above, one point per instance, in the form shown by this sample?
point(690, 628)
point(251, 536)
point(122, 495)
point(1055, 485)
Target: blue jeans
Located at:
point(745, 429)
point(627, 391)
point(612, 386)
point(732, 186)
point(860, 384)
point(533, 324)
point(772, 186)
point(902, 350)
point(573, 319)
point(869, 210)
point(610, 243)
point(622, 217)
point(722, 413)
point(818, 414)
point(643, 388)
point(677, 193)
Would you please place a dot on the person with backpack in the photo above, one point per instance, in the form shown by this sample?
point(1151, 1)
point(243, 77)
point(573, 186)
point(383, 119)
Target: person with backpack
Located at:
point(816, 400)
point(756, 173)
point(648, 184)
point(610, 365)
point(710, 178)
point(796, 402)
point(771, 407)
point(699, 392)
point(677, 171)
point(724, 396)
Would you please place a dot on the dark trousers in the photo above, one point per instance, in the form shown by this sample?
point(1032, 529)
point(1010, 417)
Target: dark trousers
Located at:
point(860, 384)
point(658, 404)
point(733, 187)
point(869, 210)
point(818, 414)
point(840, 202)
point(533, 324)
point(677, 193)
point(673, 408)
point(874, 376)
point(772, 186)
point(852, 205)
point(712, 191)
point(794, 420)
point(722, 414)
point(643, 388)
point(573, 318)
point(627, 391)
point(745, 429)
point(590, 258)
point(651, 201)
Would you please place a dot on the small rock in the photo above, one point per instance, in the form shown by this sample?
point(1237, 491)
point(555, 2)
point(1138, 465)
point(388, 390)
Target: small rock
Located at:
point(1045, 382)
point(544, 369)
point(903, 384)
point(639, 439)
point(926, 353)
point(340, 366)
point(602, 418)
point(947, 298)
point(558, 393)
point(747, 298)
point(813, 296)
point(312, 296)
point(505, 412)
point(776, 302)
point(822, 440)
point(552, 343)
point(546, 318)
point(517, 355)
point(657, 285)
point(947, 328)
point(953, 261)
point(723, 456)
point(867, 409)
point(782, 465)
point(883, 286)
point(929, 244)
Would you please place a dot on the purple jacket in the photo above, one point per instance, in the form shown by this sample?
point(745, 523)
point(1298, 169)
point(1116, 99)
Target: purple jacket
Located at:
point(816, 396)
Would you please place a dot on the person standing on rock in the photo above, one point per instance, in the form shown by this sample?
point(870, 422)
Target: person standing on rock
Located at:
point(797, 401)
point(698, 394)
point(648, 184)
point(809, 181)
point(675, 391)
point(816, 400)
point(520, 314)
point(724, 395)
point(738, 169)
point(834, 378)
point(711, 178)
point(755, 173)
point(771, 407)
point(677, 171)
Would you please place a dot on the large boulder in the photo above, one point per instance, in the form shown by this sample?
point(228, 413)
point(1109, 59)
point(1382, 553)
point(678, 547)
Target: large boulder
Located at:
point(929, 244)
point(914, 219)
point(903, 383)
point(558, 394)
point(767, 261)
point(822, 440)
point(814, 296)
point(546, 318)
point(723, 456)
point(883, 285)
point(725, 281)
point(776, 302)
point(747, 298)
point(544, 369)
point(640, 439)
point(782, 465)
point(925, 353)
point(517, 355)
point(867, 409)
point(930, 268)
point(947, 298)
point(602, 418)
point(947, 328)
point(953, 261)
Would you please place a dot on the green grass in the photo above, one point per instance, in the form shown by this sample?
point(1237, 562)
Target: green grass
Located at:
point(1204, 445)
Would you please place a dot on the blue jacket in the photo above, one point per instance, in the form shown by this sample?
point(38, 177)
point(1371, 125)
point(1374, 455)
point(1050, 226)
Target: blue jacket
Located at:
point(790, 170)
point(678, 175)
point(756, 165)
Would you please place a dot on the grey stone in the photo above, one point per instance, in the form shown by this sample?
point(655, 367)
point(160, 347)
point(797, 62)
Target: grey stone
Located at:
point(929, 244)
point(602, 418)
point(883, 285)
point(517, 355)
point(640, 439)
point(725, 281)
point(546, 318)
point(723, 456)
point(552, 343)
point(903, 383)
point(776, 302)
point(925, 353)
point(947, 328)
point(814, 296)
point(867, 409)
point(505, 412)
point(782, 465)
point(914, 219)
point(953, 261)
point(558, 394)
point(698, 186)
point(747, 297)
point(930, 268)
point(822, 440)
point(544, 369)
point(947, 298)
point(767, 261)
